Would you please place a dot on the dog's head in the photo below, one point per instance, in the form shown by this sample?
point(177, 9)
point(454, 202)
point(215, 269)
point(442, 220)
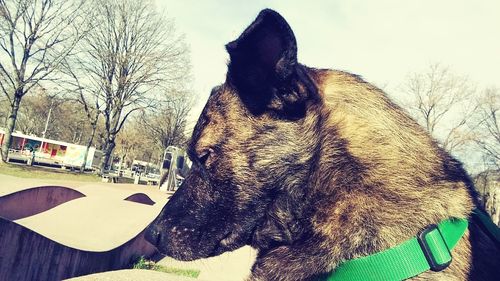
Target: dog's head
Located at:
point(252, 150)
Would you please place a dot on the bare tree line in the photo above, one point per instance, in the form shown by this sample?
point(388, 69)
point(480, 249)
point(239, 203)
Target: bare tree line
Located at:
point(465, 121)
point(114, 59)
point(64, 123)
point(453, 110)
point(168, 124)
point(488, 138)
point(163, 127)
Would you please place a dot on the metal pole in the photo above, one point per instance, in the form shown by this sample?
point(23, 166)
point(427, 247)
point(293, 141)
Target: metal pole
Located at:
point(48, 119)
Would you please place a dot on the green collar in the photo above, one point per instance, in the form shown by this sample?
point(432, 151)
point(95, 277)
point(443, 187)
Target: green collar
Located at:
point(429, 250)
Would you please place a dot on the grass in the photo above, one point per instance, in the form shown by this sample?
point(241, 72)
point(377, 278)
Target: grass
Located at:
point(23, 171)
point(143, 263)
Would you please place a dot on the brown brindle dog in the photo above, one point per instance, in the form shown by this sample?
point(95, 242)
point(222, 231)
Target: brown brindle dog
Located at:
point(312, 168)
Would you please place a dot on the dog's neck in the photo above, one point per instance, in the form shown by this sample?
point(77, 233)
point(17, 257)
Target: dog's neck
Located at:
point(325, 198)
point(288, 217)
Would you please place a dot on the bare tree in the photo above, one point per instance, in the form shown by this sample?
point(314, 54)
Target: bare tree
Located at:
point(132, 54)
point(32, 118)
point(132, 144)
point(85, 92)
point(35, 37)
point(65, 122)
point(167, 126)
point(441, 102)
point(4, 112)
point(145, 137)
point(487, 130)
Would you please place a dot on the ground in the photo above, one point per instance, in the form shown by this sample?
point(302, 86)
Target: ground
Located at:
point(23, 171)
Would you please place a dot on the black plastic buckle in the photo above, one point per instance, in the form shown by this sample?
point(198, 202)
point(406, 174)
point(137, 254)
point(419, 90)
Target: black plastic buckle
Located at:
point(427, 251)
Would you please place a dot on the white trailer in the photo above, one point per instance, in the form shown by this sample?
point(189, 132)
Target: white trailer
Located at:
point(26, 148)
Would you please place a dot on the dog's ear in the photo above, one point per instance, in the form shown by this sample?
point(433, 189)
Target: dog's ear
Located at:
point(264, 52)
point(263, 60)
point(263, 67)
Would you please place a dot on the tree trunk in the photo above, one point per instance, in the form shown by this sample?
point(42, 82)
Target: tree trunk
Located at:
point(108, 152)
point(111, 133)
point(10, 126)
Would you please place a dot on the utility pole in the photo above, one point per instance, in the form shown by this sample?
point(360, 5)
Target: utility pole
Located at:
point(48, 119)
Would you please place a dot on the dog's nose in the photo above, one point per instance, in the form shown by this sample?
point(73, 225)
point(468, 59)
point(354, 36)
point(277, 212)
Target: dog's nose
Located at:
point(152, 234)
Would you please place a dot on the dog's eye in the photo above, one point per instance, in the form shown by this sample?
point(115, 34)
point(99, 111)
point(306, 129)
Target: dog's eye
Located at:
point(204, 155)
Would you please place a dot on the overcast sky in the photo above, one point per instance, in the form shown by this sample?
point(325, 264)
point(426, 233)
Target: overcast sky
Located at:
point(382, 41)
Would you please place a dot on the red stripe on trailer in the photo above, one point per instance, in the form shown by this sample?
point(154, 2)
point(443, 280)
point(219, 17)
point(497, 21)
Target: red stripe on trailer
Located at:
point(23, 144)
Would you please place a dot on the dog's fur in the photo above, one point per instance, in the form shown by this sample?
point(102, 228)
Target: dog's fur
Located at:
point(312, 167)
